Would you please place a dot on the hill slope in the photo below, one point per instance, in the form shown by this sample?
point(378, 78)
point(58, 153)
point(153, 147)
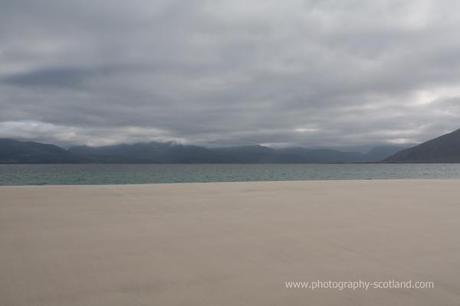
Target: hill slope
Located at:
point(444, 149)
point(13, 151)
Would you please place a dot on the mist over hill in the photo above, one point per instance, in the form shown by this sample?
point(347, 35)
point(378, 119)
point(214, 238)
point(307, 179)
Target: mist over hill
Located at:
point(14, 151)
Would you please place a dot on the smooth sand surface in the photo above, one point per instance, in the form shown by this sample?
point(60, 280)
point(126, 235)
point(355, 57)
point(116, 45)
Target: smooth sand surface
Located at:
point(229, 243)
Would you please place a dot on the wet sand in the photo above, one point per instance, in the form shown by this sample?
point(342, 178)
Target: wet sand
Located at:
point(229, 243)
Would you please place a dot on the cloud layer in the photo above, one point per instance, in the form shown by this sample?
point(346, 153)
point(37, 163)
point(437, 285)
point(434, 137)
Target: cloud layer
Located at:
point(310, 73)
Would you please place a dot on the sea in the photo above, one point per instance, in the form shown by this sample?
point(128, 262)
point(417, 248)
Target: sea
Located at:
point(108, 174)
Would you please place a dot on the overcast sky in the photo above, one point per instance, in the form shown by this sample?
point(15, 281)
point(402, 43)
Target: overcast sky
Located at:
point(285, 72)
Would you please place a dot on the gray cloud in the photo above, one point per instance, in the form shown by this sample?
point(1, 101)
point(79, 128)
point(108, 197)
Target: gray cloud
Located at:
point(53, 77)
point(310, 73)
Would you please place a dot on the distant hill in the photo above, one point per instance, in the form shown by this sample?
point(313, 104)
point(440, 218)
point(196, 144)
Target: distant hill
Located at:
point(174, 153)
point(153, 152)
point(444, 149)
point(381, 152)
point(13, 151)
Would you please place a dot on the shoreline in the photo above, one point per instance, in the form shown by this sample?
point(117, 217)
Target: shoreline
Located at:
point(238, 182)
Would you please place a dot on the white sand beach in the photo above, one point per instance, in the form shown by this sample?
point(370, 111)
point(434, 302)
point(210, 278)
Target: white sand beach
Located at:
point(229, 243)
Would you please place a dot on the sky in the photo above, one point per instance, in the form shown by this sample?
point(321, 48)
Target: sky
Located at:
point(229, 72)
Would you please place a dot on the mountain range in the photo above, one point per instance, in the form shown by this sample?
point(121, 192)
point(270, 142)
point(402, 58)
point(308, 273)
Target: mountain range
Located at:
point(14, 151)
point(443, 149)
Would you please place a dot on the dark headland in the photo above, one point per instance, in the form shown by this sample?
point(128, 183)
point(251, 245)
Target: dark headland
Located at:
point(443, 149)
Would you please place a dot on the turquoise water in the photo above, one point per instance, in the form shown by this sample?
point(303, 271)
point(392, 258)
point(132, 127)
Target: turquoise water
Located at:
point(141, 174)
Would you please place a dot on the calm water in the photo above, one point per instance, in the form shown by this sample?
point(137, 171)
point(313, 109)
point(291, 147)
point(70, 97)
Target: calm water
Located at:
point(140, 174)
